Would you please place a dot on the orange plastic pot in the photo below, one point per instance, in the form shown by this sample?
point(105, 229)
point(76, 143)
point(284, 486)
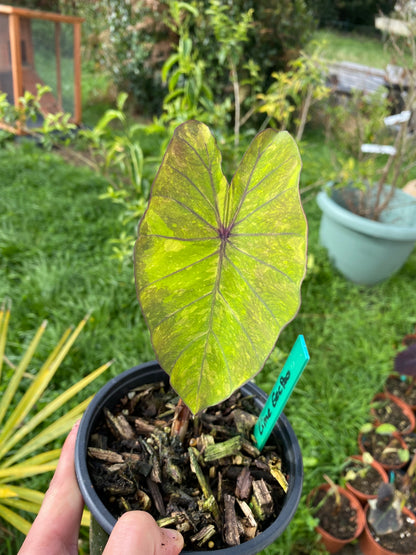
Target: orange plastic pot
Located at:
point(361, 496)
point(403, 445)
point(401, 396)
point(405, 408)
point(332, 543)
point(368, 544)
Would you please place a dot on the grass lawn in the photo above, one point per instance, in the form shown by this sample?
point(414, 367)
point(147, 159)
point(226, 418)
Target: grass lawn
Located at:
point(55, 263)
point(351, 47)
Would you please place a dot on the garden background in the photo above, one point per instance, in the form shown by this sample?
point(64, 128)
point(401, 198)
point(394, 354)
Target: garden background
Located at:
point(70, 203)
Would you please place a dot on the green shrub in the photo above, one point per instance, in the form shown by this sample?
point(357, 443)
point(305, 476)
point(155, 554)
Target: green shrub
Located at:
point(132, 39)
point(280, 29)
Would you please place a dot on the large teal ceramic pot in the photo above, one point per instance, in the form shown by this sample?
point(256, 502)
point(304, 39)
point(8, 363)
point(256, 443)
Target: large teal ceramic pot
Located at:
point(363, 250)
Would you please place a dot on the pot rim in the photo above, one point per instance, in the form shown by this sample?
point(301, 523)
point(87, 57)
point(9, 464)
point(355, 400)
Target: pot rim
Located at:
point(386, 467)
point(405, 408)
point(374, 464)
point(124, 382)
point(370, 227)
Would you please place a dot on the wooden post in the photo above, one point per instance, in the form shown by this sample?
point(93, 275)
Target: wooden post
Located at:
point(77, 73)
point(16, 57)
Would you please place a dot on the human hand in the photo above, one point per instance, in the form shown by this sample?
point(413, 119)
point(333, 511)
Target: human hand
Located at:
point(56, 528)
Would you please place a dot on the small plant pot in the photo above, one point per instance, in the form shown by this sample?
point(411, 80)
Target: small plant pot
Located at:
point(151, 372)
point(331, 542)
point(361, 496)
point(368, 544)
point(401, 387)
point(386, 465)
point(404, 408)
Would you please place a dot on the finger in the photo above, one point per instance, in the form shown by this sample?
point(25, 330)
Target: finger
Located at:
point(137, 533)
point(56, 528)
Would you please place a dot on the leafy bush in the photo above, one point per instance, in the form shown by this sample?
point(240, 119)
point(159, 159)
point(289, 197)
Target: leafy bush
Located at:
point(29, 118)
point(135, 38)
point(292, 93)
point(132, 39)
point(280, 29)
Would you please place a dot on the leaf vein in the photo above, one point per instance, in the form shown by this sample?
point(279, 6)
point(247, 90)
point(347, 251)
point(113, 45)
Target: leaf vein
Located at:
point(178, 271)
point(181, 308)
point(262, 262)
point(183, 205)
point(263, 302)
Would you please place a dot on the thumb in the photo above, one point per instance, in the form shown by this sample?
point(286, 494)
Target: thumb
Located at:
point(137, 533)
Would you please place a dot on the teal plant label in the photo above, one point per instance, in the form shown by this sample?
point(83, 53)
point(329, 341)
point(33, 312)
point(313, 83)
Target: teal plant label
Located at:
point(295, 364)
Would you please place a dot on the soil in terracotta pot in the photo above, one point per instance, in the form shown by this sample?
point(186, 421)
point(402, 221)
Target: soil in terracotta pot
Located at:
point(403, 541)
point(135, 464)
point(339, 520)
point(363, 477)
point(387, 411)
point(383, 448)
point(404, 389)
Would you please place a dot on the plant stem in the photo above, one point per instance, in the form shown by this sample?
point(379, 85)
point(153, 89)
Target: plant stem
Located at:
point(180, 421)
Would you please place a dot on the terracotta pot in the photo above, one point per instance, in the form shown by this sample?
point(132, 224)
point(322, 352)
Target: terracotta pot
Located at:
point(406, 409)
point(402, 396)
point(368, 544)
point(333, 544)
point(386, 466)
point(361, 496)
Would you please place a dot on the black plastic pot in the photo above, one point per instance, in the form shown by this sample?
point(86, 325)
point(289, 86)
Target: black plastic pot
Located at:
point(151, 372)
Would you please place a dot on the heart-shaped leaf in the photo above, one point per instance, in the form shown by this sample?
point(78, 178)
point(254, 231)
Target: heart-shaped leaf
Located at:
point(218, 266)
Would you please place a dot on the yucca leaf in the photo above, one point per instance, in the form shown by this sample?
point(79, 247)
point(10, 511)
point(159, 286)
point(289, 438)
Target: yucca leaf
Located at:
point(50, 408)
point(18, 373)
point(219, 266)
point(28, 494)
point(15, 520)
point(4, 322)
point(16, 473)
point(57, 429)
point(22, 505)
point(22, 462)
point(6, 491)
point(40, 383)
point(86, 518)
point(41, 458)
point(36, 498)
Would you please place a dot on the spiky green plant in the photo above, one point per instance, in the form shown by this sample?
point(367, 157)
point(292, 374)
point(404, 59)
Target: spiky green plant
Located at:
point(22, 449)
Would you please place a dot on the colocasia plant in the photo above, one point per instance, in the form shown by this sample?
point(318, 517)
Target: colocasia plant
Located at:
point(219, 265)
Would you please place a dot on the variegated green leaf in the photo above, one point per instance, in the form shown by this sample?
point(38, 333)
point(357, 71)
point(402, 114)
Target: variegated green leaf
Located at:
point(218, 266)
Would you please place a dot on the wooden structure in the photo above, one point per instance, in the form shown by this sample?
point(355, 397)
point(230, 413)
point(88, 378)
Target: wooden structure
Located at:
point(19, 56)
point(345, 77)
